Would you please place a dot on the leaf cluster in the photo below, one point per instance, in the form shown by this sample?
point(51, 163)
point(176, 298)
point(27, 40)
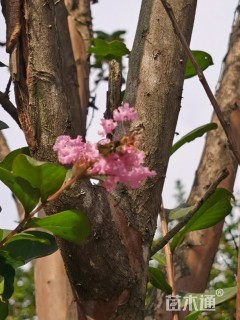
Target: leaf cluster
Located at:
point(33, 182)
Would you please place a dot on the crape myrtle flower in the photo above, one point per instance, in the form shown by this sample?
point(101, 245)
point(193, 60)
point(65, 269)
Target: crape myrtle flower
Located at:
point(116, 161)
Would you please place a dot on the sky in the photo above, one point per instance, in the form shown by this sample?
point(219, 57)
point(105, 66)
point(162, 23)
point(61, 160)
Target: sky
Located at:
point(211, 31)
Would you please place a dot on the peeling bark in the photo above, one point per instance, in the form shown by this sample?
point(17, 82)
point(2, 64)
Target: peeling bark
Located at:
point(80, 28)
point(193, 260)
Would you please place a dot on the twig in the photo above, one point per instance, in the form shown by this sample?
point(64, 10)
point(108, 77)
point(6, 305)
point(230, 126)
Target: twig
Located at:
point(54, 196)
point(9, 107)
point(7, 90)
point(114, 88)
point(226, 127)
point(21, 225)
point(162, 242)
point(169, 260)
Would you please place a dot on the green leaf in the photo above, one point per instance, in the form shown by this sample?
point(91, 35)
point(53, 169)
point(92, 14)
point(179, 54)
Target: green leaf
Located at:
point(179, 212)
point(196, 133)
point(8, 273)
point(116, 35)
point(3, 125)
point(203, 59)
point(46, 177)
point(4, 233)
point(70, 225)
point(28, 195)
point(26, 246)
point(112, 50)
point(3, 310)
point(8, 160)
point(225, 294)
point(1, 286)
point(160, 258)
point(215, 209)
point(158, 280)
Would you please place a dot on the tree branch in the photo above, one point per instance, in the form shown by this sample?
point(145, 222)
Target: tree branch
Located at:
point(226, 126)
point(169, 258)
point(162, 242)
point(9, 107)
point(7, 90)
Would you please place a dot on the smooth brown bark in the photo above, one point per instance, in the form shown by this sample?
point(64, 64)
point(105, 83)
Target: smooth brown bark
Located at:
point(203, 244)
point(54, 299)
point(193, 260)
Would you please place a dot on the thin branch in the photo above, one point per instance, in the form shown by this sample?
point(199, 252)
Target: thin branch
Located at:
point(169, 259)
point(54, 196)
point(162, 242)
point(225, 125)
point(21, 225)
point(7, 90)
point(9, 107)
point(114, 88)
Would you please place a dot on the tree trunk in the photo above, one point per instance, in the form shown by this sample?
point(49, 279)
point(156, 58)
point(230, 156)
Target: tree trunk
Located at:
point(54, 299)
point(109, 272)
point(53, 284)
point(194, 258)
point(130, 216)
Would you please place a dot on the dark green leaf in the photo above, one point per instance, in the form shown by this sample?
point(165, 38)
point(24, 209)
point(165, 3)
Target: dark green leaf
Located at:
point(113, 49)
point(3, 310)
point(46, 177)
point(22, 189)
point(24, 247)
point(3, 125)
point(8, 273)
point(158, 280)
point(215, 209)
point(196, 133)
point(110, 36)
point(8, 160)
point(203, 59)
point(70, 225)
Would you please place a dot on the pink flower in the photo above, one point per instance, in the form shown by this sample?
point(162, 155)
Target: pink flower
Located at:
point(68, 149)
point(127, 168)
point(72, 150)
point(118, 161)
point(124, 113)
point(108, 126)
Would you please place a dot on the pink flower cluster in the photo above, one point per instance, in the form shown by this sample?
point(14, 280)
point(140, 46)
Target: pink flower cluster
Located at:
point(124, 164)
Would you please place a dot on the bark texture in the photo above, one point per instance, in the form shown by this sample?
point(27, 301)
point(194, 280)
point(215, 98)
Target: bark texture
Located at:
point(54, 299)
point(109, 272)
point(193, 260)
point(4, 149)
point(53, 284)
point(80, 28)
